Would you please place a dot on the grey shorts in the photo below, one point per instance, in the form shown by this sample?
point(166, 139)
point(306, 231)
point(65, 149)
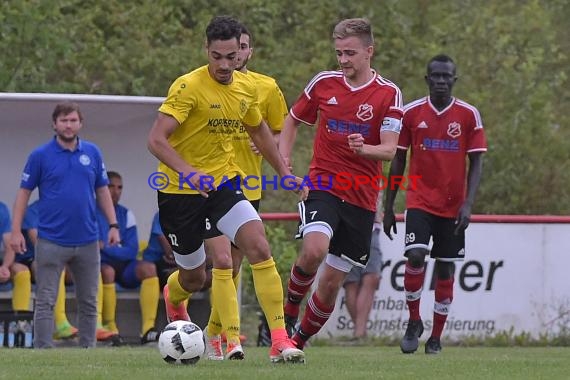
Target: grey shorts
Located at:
point(374, 264)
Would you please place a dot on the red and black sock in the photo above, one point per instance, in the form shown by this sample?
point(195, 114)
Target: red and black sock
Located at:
point(443, 299)
point(413, 284)
point(316, 315)
point(297, 287)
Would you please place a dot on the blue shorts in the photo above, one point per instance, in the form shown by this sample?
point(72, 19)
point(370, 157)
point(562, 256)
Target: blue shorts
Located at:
point(125, 273)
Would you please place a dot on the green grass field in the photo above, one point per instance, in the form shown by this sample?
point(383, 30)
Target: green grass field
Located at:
point(134, 363)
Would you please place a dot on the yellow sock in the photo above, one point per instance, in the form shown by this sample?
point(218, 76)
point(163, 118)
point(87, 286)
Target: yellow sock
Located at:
point(109, 306)
point(149, 295)
point(214, 324)
point(176, 293)
point(225, 306)
point(59, 309)
point(269, 292)
point(22, 291)
point(100, 303)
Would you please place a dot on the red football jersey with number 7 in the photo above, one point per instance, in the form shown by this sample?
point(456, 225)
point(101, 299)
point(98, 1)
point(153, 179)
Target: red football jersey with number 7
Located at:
point(439, 142)
point(342, 110)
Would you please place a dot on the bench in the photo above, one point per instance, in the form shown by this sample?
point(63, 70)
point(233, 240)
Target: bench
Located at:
point(128, 314)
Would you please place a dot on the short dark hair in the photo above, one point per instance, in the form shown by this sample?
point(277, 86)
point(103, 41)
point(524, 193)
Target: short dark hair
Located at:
point(440, 58)
point(66, 108)
point(223, 28)
point(245, 30)
point(112, 174)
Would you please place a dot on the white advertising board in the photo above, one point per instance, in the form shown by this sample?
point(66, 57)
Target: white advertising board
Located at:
point(513, 276)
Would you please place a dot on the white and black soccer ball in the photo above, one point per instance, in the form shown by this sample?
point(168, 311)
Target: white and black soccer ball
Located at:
point(181, 342)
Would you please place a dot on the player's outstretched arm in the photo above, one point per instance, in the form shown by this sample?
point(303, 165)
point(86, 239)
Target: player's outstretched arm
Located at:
point(397, 168)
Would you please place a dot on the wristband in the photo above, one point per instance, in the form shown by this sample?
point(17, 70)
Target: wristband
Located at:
point(114, 225)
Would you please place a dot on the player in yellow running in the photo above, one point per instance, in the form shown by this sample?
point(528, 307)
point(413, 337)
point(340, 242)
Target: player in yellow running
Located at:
point(192, 138)
point(273, 110)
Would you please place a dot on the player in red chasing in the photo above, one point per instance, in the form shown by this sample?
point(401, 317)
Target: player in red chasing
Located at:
point(440, 132)
point(359, 115)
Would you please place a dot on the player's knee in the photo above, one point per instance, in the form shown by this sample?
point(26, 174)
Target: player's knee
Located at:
point(145, 269)
point(107, 274)
point(222, 260)
point(373, 282)
point(257, 250)
point(16, 268)
point(327, 291)
point(416, 257)
point(192, 280)
point(444, 270)
point(311, 258)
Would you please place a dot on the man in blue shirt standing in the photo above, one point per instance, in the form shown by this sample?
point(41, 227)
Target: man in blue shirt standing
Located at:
point(70, 176)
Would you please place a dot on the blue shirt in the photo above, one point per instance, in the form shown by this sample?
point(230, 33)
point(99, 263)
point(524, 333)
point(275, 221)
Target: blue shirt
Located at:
point(4, 220)
point(4, 223)
point(153, 251)
point(66, 181)
point(128, 248)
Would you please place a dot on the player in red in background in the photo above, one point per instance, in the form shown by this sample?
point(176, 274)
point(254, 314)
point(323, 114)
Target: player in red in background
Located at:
point(440, 132)
point(359, 115)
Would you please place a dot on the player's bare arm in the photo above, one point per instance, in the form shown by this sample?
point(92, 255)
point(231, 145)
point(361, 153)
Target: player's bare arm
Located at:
point(473, 180)
point(287, 138)
point(254, 149)
point(263, 139)
point(158, 145)
point(396, 169)
point(384, 151)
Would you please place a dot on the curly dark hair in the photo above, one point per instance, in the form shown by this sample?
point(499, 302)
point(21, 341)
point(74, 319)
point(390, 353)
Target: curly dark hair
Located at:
point(223, 28)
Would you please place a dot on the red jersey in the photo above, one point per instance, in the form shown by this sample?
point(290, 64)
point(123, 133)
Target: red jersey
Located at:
point(440, 141)
point(342, 110)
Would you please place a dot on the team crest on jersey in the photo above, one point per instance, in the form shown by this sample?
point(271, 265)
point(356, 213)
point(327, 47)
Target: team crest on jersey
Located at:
point(84, 159)
point(454, 130)
point(242, 106)
point(365, 112)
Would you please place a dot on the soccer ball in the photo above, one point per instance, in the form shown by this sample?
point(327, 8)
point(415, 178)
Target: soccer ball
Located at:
point(181, 342)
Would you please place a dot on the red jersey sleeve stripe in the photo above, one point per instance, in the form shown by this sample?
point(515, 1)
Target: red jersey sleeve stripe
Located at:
point(299, 119)
point(398, 102)
point(476, 114)
point(414, 104)
point(320, 76)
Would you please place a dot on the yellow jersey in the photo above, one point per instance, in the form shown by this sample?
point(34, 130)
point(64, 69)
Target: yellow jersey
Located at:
point(273, 110)
point(209, 113)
